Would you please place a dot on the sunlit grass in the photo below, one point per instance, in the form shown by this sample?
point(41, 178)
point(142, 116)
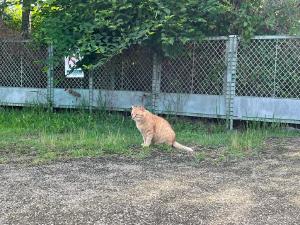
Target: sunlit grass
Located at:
point(48, 136)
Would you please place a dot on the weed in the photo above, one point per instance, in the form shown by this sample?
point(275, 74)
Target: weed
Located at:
point(200, 156)
point(143, 153)
point(166, 148)
point(3, 160)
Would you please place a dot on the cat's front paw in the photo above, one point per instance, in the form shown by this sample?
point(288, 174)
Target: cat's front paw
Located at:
point(144, 145)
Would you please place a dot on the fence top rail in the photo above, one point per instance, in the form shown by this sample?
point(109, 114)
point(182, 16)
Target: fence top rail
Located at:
point(216, 38)
point(256, 37)
point(15, 41)
point(276, 37)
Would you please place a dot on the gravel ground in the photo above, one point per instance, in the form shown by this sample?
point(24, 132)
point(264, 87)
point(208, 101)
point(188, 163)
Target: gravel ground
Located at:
point(170, 189)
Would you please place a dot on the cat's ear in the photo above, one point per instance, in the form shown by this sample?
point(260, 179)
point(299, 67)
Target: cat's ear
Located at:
point(142, 108)
point(132, 107)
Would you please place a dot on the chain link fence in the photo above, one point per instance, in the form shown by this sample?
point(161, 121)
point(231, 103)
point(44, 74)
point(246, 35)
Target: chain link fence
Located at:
point(130, 71)
point(269, 68)
point(199, 69)
point(266, 67)
point(22, 65)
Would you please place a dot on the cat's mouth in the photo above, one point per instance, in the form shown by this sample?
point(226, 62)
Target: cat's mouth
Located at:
point(136, 117)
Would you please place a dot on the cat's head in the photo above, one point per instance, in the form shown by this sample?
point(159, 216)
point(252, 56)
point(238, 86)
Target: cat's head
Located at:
point(137, 112)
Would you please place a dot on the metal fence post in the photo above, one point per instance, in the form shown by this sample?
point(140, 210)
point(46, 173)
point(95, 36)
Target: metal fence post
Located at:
point(231, 58)
point(91, 90)
point(156, 78)
point(50, 88)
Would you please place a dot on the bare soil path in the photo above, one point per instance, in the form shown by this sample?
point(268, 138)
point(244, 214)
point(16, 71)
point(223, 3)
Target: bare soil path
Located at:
point(158, 190)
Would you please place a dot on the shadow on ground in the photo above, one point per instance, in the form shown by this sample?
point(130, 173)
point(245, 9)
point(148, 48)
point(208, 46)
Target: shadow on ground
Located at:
point(158, 190)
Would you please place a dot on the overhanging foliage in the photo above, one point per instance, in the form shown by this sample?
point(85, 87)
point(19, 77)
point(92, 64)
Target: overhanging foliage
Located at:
point(99, 29)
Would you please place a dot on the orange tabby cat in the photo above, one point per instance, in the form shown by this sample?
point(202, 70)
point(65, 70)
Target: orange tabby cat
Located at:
point(154, 129)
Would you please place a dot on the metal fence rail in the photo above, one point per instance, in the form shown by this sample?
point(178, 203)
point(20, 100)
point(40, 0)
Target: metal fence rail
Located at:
point(221, 77)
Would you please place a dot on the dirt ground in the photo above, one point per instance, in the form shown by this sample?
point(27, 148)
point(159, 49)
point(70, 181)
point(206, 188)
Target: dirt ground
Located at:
point(166, 189)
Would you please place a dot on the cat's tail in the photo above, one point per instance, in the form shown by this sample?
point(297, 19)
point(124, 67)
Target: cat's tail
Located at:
point(182, 147)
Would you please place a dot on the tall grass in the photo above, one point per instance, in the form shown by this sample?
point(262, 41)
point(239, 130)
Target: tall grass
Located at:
point(46, 135)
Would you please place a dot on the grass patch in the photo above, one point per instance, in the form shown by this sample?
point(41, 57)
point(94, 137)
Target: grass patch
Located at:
point(46, 136)
point(166, 148)
point(3, 160)
point(200, 156)
point(142, 153)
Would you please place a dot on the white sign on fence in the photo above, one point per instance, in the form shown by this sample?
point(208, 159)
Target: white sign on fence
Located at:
point(70, 70)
